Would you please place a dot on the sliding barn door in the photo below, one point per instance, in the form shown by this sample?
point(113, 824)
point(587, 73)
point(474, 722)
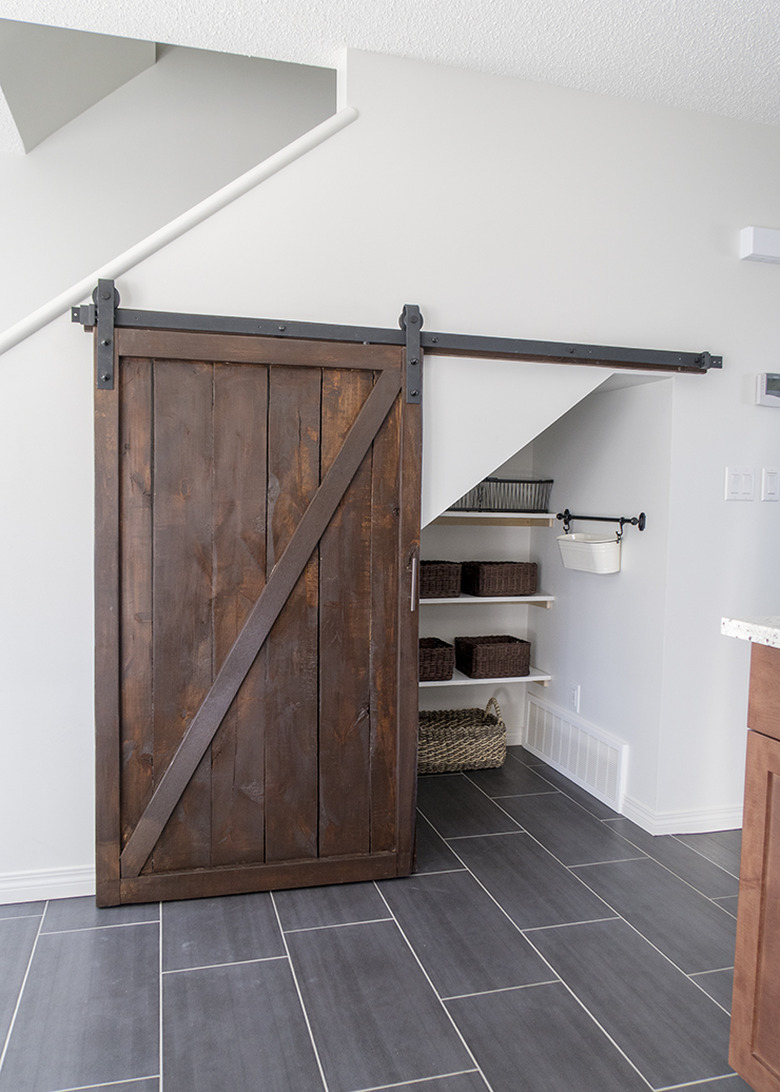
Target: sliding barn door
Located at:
point(257, 536)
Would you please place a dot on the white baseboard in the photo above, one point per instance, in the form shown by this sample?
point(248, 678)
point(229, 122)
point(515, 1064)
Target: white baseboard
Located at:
point(561, 739)
point(56, 883)
point(583, 752)
point(681, 822)
point(515, 737)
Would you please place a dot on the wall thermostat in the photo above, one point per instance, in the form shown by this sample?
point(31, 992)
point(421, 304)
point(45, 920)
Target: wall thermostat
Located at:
point(768, 389)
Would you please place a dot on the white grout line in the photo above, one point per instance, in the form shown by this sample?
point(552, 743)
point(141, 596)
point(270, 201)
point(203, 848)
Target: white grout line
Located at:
point(421, 1081)
point(109, 1084)
point(567, 924)
point(617, 860)
point(300, 995)
point(96, 928)
point(693, 1084)
point(232, 963)
point(436, 993)
point(337, 925)
point(21, 991)
point(503, 989)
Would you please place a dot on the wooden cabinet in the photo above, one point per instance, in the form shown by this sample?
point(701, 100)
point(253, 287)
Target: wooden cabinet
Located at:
point(755, 1023)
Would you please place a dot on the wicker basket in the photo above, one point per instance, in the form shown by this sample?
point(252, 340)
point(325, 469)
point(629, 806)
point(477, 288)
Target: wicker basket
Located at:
point(506, 495)
point(451, 740)
point(492, 657)
point(439, 579)
point(498, 577)
point(437, 659)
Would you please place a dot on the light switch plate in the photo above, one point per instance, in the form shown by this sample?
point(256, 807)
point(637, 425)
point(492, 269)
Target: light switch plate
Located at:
point(770, 484)
point(740, 483)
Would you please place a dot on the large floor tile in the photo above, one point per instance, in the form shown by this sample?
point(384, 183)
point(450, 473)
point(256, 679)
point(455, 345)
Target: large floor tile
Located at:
point(89, 1011)
point(724, 847)
point(514, 778)
point(730, 904)
point(81, 913)
point(529, 884)
point(464, 941)
point(693, 932)
point(701, 873)
point(433, 853)
point(456, 808)
point(237, 1028)
point(669, 1029)
point(206, 932)
point(718, 984)
point(17, 937)
point(569, 832)
point(566, 785)
point(314, 907)
point(22, 910)
point(539, 1039)
point(376, 1020)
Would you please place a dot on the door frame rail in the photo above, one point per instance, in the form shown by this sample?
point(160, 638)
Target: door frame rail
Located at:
point(106, 313)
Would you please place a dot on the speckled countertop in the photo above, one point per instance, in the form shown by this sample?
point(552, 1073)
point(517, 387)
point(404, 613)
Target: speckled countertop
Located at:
point(763, 631)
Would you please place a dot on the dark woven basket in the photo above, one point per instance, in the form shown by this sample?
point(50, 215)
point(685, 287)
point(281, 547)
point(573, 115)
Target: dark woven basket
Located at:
point(437, 659)
point(451, 740)
point(498, 577)
point(439, 579)
point(492, 657)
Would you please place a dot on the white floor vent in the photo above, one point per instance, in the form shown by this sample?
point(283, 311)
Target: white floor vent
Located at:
point(590, 757)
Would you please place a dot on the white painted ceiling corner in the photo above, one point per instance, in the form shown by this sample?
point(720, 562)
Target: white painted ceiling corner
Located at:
point(720, 58)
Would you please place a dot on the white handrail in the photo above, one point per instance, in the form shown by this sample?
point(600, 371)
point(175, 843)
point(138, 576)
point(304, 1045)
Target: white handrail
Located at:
point(77, 293)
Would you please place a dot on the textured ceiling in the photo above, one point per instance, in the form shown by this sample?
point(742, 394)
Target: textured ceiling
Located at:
point(720, 56)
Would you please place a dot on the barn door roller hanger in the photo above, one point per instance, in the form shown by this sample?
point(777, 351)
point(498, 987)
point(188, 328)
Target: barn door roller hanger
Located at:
point(106, 314)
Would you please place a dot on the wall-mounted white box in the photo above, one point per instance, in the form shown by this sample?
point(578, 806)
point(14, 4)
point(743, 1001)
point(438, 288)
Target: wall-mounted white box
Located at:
point(759, 244)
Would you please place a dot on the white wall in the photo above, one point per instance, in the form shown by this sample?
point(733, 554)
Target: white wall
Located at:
point(501, 207)
point(140, 157)
point(611, 456)
point(49, 75)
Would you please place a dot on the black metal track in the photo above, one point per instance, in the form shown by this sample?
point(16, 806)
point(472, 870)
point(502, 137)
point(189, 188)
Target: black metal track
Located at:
point(499, 348)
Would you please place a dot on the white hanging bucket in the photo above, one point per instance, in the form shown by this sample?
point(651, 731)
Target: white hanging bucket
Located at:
point(590, 553)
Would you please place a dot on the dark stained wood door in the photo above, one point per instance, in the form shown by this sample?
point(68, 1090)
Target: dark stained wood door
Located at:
point(257, 537)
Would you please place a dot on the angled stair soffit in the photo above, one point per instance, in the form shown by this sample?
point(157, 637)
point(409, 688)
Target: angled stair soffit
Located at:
point(49, 75)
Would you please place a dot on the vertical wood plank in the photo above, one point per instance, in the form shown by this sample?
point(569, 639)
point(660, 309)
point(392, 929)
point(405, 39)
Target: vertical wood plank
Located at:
point(385, 531)
point(240, 467)
point(408, 620)
point(135, 508)
point(107, 670)
point(345, 633)
point(289, 658)
point(183, 563)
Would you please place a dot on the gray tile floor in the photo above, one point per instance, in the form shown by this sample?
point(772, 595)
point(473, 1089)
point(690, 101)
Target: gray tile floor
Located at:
point(545, 944)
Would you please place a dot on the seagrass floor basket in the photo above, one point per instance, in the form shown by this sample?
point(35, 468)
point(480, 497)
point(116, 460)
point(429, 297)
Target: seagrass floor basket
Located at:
point(452, 740)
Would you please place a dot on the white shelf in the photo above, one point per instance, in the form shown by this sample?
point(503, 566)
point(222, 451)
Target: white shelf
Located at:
point(541, 599)
point(459, 679)
point(483, 519)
